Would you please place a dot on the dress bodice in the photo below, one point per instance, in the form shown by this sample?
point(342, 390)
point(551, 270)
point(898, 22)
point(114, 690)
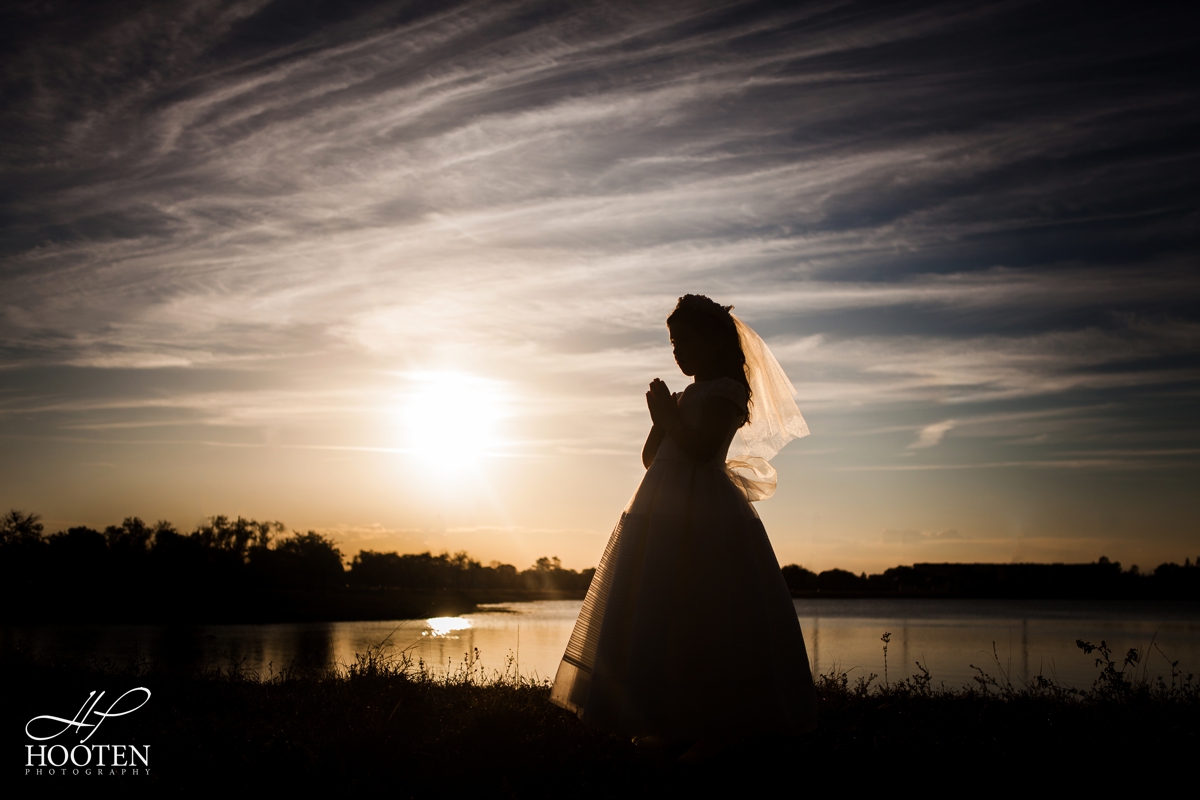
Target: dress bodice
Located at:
point(691, 412)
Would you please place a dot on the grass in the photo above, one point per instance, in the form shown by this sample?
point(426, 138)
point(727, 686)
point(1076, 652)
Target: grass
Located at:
point(389, 723)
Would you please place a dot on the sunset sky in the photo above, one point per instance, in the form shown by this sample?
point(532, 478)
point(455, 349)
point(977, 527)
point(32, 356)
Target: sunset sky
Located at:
point(399, 272)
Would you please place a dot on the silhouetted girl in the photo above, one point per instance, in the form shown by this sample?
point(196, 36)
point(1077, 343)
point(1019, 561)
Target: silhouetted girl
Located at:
point(688, 632)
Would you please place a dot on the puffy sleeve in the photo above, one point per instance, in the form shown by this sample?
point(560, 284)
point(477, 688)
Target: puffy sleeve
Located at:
point(732, 391)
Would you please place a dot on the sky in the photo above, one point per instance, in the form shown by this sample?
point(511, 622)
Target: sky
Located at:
point(399, 272)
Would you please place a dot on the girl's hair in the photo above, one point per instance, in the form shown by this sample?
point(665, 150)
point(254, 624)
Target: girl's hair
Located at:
point(714, 322)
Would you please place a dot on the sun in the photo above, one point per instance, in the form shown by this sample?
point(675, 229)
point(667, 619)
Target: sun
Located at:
point(451, 414)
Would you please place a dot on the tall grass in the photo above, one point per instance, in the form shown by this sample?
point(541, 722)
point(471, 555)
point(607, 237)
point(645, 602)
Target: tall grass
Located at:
point(391, 722)
point(1127, 680)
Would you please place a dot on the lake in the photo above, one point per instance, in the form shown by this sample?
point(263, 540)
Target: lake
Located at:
point(1019, 639)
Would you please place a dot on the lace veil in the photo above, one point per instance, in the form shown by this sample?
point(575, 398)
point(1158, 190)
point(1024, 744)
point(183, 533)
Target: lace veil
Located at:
point(774, 419)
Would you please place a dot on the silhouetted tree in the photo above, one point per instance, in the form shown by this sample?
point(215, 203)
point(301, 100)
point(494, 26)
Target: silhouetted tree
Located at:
point(226, 564)
point(427, 571)
point(799, 579)
point(840, 580)
point(237, 537)
point(305, 560)
point(131, 536)
point(17, 527)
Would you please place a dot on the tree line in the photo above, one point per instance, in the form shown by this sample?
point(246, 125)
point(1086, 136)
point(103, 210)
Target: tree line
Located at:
point(238, 554)
point(1099, 580)
point(233, 555)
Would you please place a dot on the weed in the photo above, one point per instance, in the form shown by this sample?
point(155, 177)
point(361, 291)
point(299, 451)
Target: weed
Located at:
point(887, 637)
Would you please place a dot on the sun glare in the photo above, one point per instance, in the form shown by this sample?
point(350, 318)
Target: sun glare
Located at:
point(441, 626)
point(452, 414)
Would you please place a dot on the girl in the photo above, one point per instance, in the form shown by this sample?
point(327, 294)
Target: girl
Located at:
point(688, 632)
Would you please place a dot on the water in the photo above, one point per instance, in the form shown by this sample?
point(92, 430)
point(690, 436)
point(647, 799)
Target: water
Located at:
point(1017, 639)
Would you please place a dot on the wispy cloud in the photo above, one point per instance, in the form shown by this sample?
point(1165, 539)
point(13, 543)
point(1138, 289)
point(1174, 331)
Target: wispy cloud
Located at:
point(229, 216)
point(931, 435)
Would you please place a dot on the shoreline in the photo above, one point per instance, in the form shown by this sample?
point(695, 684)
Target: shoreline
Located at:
point(353, 604)
point(215, 607)
point(382, 724)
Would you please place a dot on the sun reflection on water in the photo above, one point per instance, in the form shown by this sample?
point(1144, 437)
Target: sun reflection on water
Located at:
point(440, 626)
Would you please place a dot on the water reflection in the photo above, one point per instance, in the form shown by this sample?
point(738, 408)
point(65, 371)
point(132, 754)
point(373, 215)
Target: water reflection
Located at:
point(440, 626)
point(1017, 640)
point(1014, 640)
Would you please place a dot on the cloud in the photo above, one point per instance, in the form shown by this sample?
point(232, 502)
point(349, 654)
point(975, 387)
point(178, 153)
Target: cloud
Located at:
point(235, 223)
point(931, 435)
point(893, 536)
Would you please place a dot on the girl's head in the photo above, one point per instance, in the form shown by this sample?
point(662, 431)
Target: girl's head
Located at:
point(706, 340)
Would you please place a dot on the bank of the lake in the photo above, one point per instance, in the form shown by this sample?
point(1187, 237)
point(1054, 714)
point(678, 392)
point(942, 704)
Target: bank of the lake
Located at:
point(224, 606)
point(376, 727)
point(1022, 639)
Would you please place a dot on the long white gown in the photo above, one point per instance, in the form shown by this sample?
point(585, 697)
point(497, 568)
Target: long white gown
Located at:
point(688, 629)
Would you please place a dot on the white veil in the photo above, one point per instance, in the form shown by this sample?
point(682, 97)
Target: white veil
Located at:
point(774, 419)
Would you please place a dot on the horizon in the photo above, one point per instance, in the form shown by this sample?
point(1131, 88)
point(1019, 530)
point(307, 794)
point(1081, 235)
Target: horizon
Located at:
point(284, 533)
point(401, 276)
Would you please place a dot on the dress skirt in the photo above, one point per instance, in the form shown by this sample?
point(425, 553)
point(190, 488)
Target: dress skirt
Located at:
point(688, 629)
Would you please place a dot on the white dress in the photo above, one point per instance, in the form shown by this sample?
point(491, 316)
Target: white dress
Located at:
point(688, 628)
